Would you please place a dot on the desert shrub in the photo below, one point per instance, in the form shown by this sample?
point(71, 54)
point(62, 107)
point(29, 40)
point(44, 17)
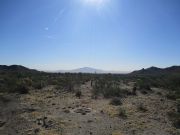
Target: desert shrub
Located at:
point(171, 95)
point(159, 93)
point(144, 84)
point(134, 90)
point(175, 118)
point(70, 86)
point(27, 81)
point(78, 94)
point(178, 105)
point(4, 99)
point(144, 92)
point(96, 91)
point(22, 89)
point(109, 88)
point(122, 113)
point(176, 123)
point(116, 101)
point(39, 84)
point(115, 92)
point(142, 108)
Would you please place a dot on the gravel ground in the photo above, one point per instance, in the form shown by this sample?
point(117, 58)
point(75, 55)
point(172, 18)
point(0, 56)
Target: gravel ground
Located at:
point(54, 112)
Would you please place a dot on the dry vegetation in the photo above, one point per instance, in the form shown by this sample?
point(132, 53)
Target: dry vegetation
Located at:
point(38, 103)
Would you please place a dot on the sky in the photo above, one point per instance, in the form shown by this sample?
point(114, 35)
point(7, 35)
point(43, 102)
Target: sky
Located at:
point(121, 35)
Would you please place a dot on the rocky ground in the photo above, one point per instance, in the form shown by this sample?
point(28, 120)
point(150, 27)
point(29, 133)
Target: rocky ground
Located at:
point(55, 112)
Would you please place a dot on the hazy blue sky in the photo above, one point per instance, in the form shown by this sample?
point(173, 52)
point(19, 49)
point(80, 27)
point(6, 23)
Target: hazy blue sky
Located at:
point(107, 34)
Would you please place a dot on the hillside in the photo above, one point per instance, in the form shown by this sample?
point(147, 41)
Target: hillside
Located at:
point(157, 71)
point(15, 68)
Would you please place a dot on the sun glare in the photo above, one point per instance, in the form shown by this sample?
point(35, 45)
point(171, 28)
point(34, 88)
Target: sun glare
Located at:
point(95, 3)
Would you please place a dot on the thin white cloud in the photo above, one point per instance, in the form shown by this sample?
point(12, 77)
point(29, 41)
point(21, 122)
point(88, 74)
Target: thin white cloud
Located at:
point(59, 15)
point(50, 37)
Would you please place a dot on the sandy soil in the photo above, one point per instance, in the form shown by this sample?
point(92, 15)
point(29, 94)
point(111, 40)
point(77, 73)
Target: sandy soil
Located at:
point(54, 112)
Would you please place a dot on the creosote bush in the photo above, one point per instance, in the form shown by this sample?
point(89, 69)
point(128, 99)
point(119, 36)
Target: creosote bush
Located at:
point(116, 101)
point(142, 108)
point(171, 95)
point(143, 84)
point(78, 94)
point(122, 113)
point(22, 89)
point(134, 90)
point(175, 118)
point(178, 105)
point(109, 89)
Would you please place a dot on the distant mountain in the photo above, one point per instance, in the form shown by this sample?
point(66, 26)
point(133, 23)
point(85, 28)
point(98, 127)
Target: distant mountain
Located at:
point(87, 70)
point(17, 68)
point(148, 71)
point(157, 71)
point(83, 70)
point(91, 70)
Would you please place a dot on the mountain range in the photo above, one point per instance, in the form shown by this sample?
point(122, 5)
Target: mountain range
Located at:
point(148, 71)
point(90, 70)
